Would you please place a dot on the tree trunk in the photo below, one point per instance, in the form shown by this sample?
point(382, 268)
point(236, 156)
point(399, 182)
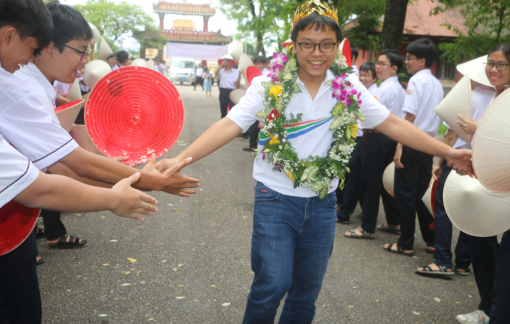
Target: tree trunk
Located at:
point(260, 41)
point(393, 26)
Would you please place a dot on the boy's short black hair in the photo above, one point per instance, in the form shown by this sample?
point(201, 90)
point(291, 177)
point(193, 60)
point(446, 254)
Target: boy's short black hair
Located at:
point(368, 66)
point(31, 18)
point(261, 59)
point(396, 59)
point(424, 48)
point(317, 22)
point(69, 25)
point(122, 56)
point(354, 52)
point(115, 55)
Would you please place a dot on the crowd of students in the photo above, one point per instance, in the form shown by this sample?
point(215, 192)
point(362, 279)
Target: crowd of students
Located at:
point(374, 151)
point(294, 229)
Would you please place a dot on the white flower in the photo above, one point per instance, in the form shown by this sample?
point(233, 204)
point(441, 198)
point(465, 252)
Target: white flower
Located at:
point(280, 147)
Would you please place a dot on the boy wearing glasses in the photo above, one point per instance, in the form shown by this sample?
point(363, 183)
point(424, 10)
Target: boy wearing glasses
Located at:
point(424, 93)
point(378, 151)
point(293, 229)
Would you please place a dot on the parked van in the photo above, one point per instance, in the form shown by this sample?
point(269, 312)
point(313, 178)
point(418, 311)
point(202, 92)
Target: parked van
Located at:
point(182, 70)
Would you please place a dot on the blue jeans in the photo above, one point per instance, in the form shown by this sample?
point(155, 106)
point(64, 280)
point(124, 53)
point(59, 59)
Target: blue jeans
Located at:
point(291, 245)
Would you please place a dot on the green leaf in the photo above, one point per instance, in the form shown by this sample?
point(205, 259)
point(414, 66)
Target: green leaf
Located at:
point(103, 315)
point(225, 304)
point(416, 313)
point(437, 299)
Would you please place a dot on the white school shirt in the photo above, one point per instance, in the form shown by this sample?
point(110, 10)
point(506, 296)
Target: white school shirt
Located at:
point(83, 87)
point(390, 94)
point(200, 72)
point(424, 93)
point(116, 66)
point(359, 132)
point(228, 79)
point(62, 88)
point(355, 70)
point(313, 140)
point(481, 98)
point(16, 172)
point(26, 122)
point(162, 68)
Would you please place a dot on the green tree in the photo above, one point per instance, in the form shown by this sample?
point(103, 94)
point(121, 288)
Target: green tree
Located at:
point(115, 20)
point(393, 26)
point(487, 23)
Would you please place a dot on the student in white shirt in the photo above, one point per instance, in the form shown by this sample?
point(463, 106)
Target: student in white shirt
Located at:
point(424, 93)
point(122, 59)
point(352, 193)
point(490, 259)
point(228, 80)
point(261, 63)
point(24, 26)
point(198, 76)
point(378, 151)
point(354, 53)
point(293, 229)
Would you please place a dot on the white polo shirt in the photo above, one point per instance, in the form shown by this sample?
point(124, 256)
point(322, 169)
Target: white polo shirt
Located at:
point(117, 66)
point(391, 94)
point(424, 93)
point(228, 79)
point(200, 71)
point(481, 98)
point(26, 122)
point(314, 138)
point(16, 172)
point(62, 88)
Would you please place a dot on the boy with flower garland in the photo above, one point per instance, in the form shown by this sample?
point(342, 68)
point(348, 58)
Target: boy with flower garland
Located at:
point(294, 226)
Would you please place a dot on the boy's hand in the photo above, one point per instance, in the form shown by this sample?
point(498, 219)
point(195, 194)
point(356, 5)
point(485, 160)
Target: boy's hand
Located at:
point(131, 202)
point(164, 164)
point(398, 155)
point(461, 162)
point(436, 172)
point(174, 182)
point(468, 126)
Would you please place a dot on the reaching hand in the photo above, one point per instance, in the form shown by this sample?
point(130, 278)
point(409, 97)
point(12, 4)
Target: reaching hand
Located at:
point(436, 172)
point(468, 126)
point(164, 164)
point(398, 155)
point(131, 202)
point(122, 158)
point(176, 183)
point(461, 162)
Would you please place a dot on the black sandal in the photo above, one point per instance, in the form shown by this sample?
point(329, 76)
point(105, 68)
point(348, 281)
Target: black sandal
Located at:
point(466, 271)
point(65, 243)
point(390, 229)
point(39, 233)
point(40, 261)
point(364, 235)
point(443, 271)
point(400, 250)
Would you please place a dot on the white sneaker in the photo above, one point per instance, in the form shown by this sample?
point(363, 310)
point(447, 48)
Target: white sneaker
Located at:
point(476, 317)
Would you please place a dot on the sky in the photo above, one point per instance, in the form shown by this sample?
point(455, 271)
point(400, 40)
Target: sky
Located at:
point(219, 20)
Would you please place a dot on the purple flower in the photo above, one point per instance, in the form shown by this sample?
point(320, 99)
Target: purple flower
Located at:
point(359, 94)
point(348, 101)
point(352, 92)
point(278, 60)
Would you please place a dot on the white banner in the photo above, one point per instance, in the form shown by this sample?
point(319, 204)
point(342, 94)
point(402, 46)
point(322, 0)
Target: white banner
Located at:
point(195, 51)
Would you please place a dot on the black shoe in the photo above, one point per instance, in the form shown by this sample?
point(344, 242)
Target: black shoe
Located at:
point(345, 222)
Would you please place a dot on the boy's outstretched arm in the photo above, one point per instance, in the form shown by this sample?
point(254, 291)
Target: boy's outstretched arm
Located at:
point(219, 134)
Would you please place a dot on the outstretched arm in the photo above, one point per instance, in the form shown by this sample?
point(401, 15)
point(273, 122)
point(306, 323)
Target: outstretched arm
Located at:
point(219, 134)
point(61, 193)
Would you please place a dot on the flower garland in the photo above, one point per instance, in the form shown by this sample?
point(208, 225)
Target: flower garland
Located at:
point(313, 172)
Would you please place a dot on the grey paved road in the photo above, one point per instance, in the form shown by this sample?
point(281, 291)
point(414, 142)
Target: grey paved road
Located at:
point(193, 257)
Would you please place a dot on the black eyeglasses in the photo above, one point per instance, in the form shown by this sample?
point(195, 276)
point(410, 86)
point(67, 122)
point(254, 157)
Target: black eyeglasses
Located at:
point(499, 66)
point(368, 75)
point(84, 54)
point(382, 64)
point(325, 47)
point(408, 58)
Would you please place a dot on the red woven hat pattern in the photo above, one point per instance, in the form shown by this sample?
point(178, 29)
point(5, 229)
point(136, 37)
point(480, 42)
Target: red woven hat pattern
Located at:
point(134, 111)
point(68, 105)
point(16, 223)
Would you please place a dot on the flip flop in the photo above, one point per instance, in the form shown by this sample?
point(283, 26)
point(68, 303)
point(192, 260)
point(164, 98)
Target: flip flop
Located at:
point(442, 272)
point(400, 250)
point(466, 271)
point(63, 243)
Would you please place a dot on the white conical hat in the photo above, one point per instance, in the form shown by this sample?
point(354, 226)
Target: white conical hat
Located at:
point(474, 209)
point(75, 92)
point(236, 95)
point(244, 62)
point(430, 197)
point(388, 179)
point(476, 70)
point(457, 102)
point(139, 62)
point(95, 34)
point(80, 134)
point(243, 83)
point(150, 64)
point(67, 113)
point(95, 71)
point(104, 50)
point(236, 53)
point(491, 146)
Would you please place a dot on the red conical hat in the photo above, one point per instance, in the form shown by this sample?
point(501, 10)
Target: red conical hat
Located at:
point(252, 72)
point(345, 48)
point(134, 111)
point(16, 224)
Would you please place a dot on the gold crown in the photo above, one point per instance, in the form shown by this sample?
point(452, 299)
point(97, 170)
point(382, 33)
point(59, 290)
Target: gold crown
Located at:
point(314, 6)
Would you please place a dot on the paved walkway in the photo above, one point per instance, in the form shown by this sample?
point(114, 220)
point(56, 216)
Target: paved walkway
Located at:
point(193, 257)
